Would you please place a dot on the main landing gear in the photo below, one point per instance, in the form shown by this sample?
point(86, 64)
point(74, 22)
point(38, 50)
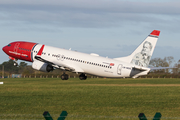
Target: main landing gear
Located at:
point(82, 76)
point(65, 76)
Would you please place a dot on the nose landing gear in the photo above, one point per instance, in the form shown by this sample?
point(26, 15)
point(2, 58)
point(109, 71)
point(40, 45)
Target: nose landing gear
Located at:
point(15, 64)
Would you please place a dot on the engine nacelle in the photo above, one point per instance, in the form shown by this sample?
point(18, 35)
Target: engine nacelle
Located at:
point(41, 66)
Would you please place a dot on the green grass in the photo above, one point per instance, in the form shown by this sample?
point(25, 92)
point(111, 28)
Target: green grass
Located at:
point(92, 99)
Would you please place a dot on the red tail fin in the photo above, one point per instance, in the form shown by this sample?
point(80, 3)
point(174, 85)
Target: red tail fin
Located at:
point(155, 32)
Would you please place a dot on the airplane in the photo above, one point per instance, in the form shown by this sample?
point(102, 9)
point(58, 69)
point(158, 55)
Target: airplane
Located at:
point(46, 58)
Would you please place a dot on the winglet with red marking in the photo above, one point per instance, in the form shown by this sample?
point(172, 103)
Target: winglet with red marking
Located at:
point(155, 33)
point(40, 51)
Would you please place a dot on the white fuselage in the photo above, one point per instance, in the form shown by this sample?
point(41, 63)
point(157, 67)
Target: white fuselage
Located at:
point(90, 64)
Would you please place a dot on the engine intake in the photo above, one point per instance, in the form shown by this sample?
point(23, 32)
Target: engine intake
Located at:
point(41, 66)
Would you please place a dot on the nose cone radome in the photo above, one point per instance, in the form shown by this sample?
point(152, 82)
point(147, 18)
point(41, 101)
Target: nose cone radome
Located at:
point(4, 49)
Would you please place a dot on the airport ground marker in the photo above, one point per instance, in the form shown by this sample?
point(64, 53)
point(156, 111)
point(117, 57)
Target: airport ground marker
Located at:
point(62, 116)
point(142, 116)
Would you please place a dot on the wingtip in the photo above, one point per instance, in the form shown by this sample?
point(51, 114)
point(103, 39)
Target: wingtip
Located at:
point(155, 32)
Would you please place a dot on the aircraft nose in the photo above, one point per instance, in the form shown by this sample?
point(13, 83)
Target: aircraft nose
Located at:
point(4, 49)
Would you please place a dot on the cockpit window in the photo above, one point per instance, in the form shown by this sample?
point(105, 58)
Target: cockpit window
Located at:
point(9, 45)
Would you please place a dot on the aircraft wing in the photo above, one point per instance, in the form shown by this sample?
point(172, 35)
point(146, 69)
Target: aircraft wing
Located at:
point(43, 60)
point(71, 68)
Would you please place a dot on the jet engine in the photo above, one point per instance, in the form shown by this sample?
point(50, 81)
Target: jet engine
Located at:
point(41, 66)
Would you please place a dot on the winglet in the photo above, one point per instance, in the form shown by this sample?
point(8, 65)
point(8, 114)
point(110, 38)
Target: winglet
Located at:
point(155, 33)
point(40, 51)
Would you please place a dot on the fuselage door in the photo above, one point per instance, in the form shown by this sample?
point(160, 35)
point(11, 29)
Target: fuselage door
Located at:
point(119, 69)
point(60, 57)
point(16, 47)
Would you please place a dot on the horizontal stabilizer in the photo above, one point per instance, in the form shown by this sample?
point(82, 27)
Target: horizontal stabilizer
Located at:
point(141, 68)
point(162, 68)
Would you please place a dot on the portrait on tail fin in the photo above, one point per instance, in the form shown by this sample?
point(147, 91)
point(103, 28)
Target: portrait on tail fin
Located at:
point(143, 58)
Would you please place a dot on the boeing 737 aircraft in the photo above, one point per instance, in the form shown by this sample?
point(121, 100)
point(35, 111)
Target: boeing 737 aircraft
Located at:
point(46, 58)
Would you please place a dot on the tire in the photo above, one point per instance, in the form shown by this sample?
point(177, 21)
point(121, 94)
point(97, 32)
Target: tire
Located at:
point(62, 77)
point(82, 77)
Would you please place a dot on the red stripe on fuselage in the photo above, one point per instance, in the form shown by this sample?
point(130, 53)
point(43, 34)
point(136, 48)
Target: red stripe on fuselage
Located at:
point(21, 50)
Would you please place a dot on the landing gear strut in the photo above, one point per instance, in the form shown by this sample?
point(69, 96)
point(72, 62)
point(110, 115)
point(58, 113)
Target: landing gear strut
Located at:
point(82, 76)
point(64, 76)
point(15, 62)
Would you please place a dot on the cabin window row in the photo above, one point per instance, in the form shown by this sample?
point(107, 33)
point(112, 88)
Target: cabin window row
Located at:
point(77, 60)
point(91, 63)
point(24, 49)
point(42, 52)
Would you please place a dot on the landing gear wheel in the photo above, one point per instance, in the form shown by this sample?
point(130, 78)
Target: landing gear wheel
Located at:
point(15, 64)
point(64, 76)
point(82, 76)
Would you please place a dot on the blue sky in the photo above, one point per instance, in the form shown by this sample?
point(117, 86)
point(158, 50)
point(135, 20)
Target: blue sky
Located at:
point(112, 28)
